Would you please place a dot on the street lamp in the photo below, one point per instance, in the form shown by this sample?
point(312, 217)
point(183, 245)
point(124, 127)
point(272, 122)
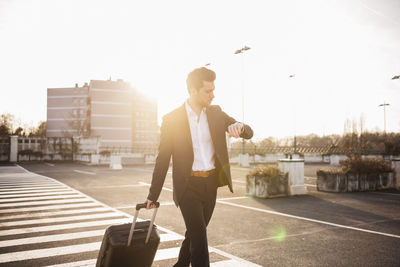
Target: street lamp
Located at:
point(384, 114)
point(294, 141)
point(241, 51)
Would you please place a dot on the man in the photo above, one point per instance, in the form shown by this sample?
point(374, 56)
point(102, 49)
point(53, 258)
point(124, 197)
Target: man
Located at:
point(194, 135)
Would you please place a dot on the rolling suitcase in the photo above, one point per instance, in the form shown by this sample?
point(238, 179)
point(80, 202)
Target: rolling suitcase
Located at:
point(131, 244)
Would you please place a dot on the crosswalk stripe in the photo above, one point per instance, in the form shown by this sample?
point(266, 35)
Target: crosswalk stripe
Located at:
point(67, 208)
point(87, 263)
point(15, 175)
point(61, 227)
point(22, 192)
point(48, 252)
point(161, 254)
point(170, 237)
point(48, 208)
point(25, 181)
point(50, 238)
point(167, 253)
point(7, 187)
point(227, 263)
point(78, 199)
point(19, 196)
point(32, 188)
point(61, 219)
point(69, 236)
point(53, 213)
point(26, 199)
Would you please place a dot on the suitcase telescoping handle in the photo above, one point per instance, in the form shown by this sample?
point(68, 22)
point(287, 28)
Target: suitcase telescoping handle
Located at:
point(138, 207)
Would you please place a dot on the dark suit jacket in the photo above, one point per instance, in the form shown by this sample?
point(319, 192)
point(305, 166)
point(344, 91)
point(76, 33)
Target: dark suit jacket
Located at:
point(176, 141)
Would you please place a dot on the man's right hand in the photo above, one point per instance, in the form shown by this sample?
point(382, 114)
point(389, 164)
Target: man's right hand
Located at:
point(149, 204)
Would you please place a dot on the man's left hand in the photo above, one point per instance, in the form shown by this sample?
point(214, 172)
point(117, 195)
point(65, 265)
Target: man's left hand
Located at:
point(235, 130)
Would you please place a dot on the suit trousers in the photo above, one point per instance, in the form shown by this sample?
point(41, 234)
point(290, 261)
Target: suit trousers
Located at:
point(197, 206)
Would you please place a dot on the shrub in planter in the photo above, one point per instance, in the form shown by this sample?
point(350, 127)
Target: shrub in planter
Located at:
point(360, 165)
point(356, 174)
point(267, 181)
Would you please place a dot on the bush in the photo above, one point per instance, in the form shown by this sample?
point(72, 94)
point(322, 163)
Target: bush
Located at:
point(266, 171)
point(360, 165)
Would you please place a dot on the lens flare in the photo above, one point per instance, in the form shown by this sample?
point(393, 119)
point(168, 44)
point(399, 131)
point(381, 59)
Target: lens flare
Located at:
point(278, 233)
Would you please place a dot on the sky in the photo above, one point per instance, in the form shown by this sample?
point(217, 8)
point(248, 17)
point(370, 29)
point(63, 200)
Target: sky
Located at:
point(342, 55)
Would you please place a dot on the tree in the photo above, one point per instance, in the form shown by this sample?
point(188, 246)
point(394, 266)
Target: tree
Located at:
point(6, 124)
point(39, 131)
point(19, 131)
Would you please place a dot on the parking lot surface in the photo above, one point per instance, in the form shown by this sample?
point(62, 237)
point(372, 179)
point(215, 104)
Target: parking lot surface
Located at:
point(73, 208)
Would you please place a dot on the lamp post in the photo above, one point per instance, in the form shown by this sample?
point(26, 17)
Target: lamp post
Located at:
point(241, 51)
point(294, 141)
point(384, 114)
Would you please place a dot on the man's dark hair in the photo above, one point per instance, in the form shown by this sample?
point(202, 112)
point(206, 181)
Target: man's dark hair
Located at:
point(197, 76)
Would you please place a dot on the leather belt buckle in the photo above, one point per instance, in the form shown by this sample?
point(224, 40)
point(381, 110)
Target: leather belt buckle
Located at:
point(202, 174)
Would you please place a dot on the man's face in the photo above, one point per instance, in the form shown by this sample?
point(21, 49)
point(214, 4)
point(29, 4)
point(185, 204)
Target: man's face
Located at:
point(205, 95)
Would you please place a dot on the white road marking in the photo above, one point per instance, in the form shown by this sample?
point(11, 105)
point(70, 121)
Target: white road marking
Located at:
point(25, 183)
point(31, 188)
point(51, 193)
point(53, 213)
point(87, 263)
point(50, 238)
point(227, 263)
point(167, 253)
point(7, 187)
point(80, 199)
point(62, 219)
point(34, 191)
point(170, 237)
point(49, 208)
point(50, 164)
point(242, 262)
point(85, 172)
point(54, 210)
point(26, 199)
point(308, 219)
point(60, 227)
point(48, 252)
point(311, 185)
point(239, 181)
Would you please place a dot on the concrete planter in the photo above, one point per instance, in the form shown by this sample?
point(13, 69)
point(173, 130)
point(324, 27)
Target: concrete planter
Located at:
point(355, 182)
point(267, 187)
point(331, 182)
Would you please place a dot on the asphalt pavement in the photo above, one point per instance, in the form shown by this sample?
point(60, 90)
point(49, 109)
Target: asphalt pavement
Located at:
point(54, 214)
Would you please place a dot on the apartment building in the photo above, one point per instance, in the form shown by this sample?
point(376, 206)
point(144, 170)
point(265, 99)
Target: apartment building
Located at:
point(112, 110)
point(67, 111)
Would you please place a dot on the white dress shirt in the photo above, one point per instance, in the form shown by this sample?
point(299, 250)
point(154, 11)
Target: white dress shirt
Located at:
point(203, 148)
